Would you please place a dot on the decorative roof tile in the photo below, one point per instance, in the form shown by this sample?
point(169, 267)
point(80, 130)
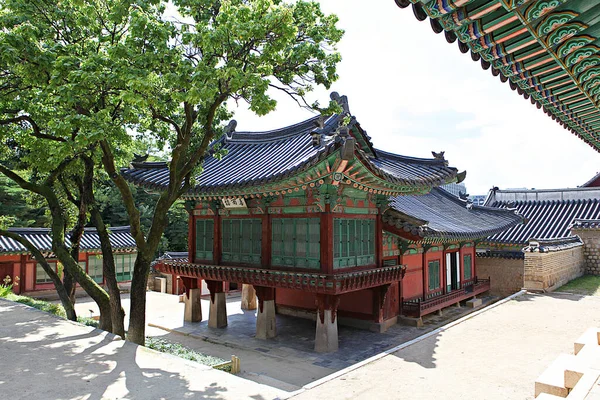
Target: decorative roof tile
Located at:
point(440, 216)
point(120, 239)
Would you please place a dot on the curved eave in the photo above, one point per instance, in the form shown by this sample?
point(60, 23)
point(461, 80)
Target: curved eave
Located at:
point(526, 48)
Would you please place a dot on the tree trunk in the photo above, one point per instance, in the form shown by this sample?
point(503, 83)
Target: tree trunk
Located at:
point(39, 257)
point(70, 285)
point(110, 276)
point(137, 309)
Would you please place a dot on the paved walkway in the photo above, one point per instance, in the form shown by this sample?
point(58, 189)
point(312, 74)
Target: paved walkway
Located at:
point(495, 355)
point(44, 357)
point(288, 361)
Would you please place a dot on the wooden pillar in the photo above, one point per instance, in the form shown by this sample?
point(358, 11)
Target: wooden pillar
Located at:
point(217, 242)
point(425, 273)
point(266, 239)
point(248, 297)
point(378, 241)
point(191, 237)
point(326, 335)
point(379, 296)
point(266, 322)
point(217, 315)
point(192, 307)
point(327, 240)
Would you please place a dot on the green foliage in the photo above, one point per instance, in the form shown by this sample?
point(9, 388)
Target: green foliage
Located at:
point(55, 309)
point(5, 290)
point(588, 285)
point(19, 207)
point(180, 351)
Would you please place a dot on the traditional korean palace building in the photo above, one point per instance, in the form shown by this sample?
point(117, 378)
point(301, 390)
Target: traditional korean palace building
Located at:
point(16, 261)
point(322, 223)
point(548, 51)
point(559, 241)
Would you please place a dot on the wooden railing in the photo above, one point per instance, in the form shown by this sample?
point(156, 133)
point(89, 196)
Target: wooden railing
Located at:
point(310, 282)
point(417, 307)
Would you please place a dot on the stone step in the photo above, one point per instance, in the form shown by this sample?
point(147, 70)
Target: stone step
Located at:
point(591, 336)
point(552, 380)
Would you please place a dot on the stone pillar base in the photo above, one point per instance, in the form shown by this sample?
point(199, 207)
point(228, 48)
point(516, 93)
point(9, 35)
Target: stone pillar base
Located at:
point(248, 297)
point(326, 337)
point(192, 309)
point(217, 317)
point(266, 323)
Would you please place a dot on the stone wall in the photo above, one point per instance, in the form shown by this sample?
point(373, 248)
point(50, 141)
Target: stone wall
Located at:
point(591, 249)
point(548, 271)
point(506, 274)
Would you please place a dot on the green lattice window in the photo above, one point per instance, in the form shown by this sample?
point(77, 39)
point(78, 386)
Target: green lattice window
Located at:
point(433, 268)
point(204, 239)
point(95, 268)
point(124, 266)
point(467, 266)
point(241, 240)
point(296, 242)
point(41, 276)
point(353, 242)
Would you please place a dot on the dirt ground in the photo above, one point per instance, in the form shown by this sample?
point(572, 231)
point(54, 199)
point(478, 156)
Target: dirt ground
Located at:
point(495, 355)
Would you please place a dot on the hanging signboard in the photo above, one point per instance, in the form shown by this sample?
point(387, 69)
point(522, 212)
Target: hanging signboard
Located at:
point(234, 203)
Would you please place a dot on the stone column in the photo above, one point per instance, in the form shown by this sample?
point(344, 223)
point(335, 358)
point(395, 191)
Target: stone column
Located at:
point(266, 322)
point(193, 309)
point(326, 336)
point(248, 297)
point(217, 316)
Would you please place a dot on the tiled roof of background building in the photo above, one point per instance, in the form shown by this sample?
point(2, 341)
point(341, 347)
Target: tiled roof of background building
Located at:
point(548, 214)
point(120, 239)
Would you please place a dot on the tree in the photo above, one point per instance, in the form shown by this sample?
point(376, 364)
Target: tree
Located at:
point(78, 74)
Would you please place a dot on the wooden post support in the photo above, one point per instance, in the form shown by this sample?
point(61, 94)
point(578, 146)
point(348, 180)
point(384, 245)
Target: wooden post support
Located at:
point(217, 315)
point(266, 322)
point(326, 336)
point(248, 297)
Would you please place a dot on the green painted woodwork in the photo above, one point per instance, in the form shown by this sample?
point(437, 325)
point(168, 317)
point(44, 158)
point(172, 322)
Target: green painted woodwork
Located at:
point(124, 266)
point(95, 268)
point(545, 48)
point(390, 245)
point(353, 242)
point(241, 240)
point(41, 276)
point(468, 266)
point(296, 243)
point(433, 268)
point(204, 239)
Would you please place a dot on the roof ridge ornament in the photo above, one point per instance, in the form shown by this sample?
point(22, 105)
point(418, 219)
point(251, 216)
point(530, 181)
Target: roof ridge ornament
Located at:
point(230, 129)
point(342, 101)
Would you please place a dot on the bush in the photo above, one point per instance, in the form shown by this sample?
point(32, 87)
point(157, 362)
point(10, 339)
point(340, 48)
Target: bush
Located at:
point(180, 351)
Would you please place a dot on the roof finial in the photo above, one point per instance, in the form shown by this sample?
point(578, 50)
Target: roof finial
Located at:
point(438, 156)
point(341, 100)
point(229, 129)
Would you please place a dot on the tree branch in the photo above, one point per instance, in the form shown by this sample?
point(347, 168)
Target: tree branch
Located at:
point(34, 126)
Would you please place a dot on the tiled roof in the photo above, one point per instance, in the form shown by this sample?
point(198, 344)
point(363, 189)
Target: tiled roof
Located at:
point(440, 215)
point(120, 239)
point(593, 182)
point(549, 214)
point(550, 245)
point(547, 50)
point(255, 159)
point(586, 224)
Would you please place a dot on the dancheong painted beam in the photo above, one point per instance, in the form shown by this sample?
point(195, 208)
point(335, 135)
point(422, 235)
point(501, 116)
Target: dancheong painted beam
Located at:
point(547, 50)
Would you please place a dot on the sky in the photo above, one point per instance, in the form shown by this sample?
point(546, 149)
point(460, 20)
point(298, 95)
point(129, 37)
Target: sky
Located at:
point(414, 93)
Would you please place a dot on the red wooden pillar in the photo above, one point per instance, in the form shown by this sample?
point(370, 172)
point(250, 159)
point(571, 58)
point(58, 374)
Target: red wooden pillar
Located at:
point(378, 241)
point(266, 239)
point(217, 242)
point(425, 270)
point(191, 237)
point(327, 241)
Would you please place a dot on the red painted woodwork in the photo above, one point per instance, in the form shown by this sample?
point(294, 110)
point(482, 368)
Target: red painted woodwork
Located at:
point(327, 302)
point(412, 284)
point(263, 294)
point(326, 226)
point(309, 282)
point(295, 298)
